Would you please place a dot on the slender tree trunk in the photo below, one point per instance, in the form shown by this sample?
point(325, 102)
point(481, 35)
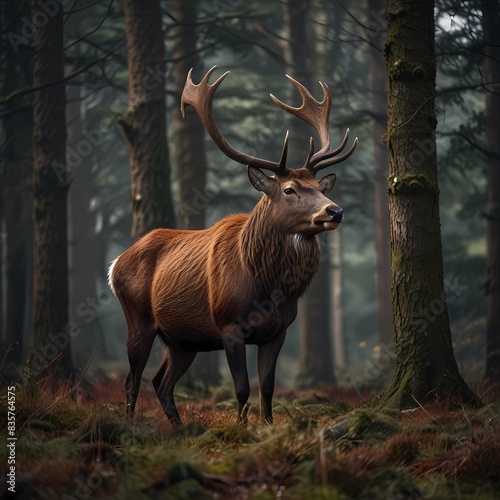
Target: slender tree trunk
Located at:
point(337, 13)
point(336, 316)
point(82, 240)
point(188, 155)
point(315, 362)
point(326, 65)
point(491, 77)
point(425, 365)
point(144, 126)
point(382, 227)
point(50, 285)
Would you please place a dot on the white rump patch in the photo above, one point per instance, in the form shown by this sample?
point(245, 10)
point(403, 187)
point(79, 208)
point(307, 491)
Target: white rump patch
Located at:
point(110, 275)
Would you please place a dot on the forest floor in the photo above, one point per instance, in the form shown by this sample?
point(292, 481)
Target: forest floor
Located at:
point(328, 443)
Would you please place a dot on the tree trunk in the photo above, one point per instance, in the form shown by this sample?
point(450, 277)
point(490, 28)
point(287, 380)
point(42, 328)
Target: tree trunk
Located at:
point(18, 206)
point(337, 316)
point(315, 362)
point(3, 86)
point(189, 159)
point(88, 344)
point(51, 330)
point(17, 203)
point(4, 340)
point(425, 365)
point(382, 226)
point(491, 77)
point(144, 126)
point(324, 22)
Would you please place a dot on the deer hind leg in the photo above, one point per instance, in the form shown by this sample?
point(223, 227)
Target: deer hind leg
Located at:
point(138, 349)
point(267, 357)
point(174, 365)
point(234, 346)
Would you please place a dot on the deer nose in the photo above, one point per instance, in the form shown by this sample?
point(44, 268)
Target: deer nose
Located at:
point(336, 213)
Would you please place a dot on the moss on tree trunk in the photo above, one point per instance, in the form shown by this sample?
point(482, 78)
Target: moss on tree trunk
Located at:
point(425, 366)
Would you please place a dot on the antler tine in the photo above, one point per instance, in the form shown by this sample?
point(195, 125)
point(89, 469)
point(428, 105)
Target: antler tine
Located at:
point(315, 113)
point(311, 150)
point(200, 97)
point(191, 90)
point(319, 156)
point(328, 161)
point(284, 152)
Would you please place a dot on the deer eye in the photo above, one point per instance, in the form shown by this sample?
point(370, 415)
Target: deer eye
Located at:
point(289, 191)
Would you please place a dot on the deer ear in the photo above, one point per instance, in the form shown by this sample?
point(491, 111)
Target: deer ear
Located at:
point(326, 184)
point(260, 181)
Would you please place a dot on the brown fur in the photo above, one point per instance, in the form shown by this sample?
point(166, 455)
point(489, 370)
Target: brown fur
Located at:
point(233, 284)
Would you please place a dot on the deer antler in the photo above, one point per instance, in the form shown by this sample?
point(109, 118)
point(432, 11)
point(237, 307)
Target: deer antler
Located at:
point(317, 114)
point(200, 97)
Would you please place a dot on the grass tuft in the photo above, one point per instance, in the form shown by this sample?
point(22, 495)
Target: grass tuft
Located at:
point(320, 446)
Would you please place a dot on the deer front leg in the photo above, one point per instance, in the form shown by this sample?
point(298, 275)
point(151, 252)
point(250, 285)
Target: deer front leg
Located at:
point(234, 346)
point(267, 357)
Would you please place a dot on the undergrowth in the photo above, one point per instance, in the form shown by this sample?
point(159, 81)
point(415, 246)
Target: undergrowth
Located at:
point(324, 444)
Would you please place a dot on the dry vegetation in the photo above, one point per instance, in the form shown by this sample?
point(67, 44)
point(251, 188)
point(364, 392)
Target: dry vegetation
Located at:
point(328, 443)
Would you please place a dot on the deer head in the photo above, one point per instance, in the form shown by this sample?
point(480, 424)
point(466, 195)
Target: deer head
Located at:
point(298, 200)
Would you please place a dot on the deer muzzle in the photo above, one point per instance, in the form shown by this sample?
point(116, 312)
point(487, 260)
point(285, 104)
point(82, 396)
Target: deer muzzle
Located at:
point(330, 218)
point(336, 213)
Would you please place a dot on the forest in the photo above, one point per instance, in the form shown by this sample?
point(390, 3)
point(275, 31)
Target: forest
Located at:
point(113, 125)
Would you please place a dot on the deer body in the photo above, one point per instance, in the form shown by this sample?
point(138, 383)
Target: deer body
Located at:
point(233, 284)
point(225, 279)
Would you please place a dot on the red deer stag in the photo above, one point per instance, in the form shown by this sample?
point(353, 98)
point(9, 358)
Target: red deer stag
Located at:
point(237, 282)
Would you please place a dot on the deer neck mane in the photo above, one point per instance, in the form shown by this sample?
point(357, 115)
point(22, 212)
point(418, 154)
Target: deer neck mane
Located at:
point(276, 259)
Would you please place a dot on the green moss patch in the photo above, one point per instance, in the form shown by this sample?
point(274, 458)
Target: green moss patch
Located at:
point(316, 449)
point(411, 184)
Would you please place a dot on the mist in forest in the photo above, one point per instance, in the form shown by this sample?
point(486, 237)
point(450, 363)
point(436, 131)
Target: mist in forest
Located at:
point(344, 332)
